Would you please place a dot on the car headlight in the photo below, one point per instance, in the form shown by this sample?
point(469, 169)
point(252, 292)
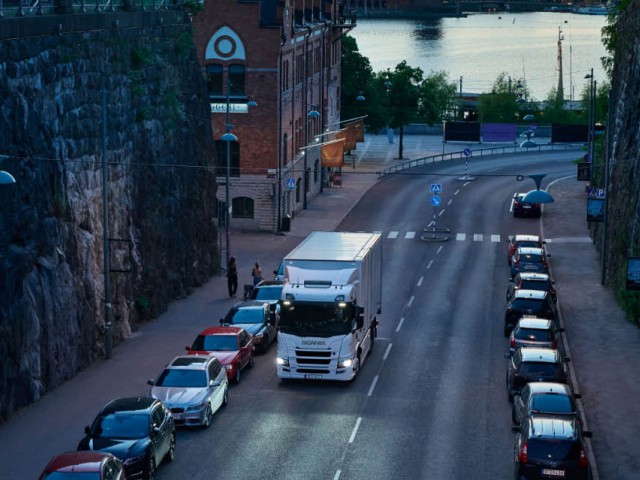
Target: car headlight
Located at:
point(196, 407)
point(284, 361)
point(136, 459)
point(345, 362)
point(229, 367)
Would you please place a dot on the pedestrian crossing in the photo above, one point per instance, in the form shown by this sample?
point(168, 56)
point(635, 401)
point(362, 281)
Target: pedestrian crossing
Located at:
point(460, 237)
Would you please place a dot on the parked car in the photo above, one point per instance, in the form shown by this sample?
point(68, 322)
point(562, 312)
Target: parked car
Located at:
point(529, 259)
point(521, 208)
point(139, 431)
point(521, 240)
point(534, 332)
point(550, 447)
point(534, 365)
point(84, 466)
point(531, 281)
point(233, 346)
point(544, 398)
point(193, 387)
point(256, 317)
point(528, 302)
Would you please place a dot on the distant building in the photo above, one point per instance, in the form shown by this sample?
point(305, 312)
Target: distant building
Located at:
point(285, 56)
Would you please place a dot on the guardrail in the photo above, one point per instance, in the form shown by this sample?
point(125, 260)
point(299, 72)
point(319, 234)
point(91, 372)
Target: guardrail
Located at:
point(418, 162)
point(22, 8)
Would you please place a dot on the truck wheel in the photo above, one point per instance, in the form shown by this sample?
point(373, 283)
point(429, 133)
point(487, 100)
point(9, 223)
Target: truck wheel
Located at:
point(372, 335)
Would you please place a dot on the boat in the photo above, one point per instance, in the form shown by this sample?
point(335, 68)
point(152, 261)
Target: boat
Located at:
point(591, 9)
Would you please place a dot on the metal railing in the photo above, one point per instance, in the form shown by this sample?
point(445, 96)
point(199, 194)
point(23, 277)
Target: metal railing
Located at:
point(507, 149)
point(22, 8)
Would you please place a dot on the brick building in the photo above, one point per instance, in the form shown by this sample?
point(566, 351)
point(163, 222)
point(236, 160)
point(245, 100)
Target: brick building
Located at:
point(285, 56)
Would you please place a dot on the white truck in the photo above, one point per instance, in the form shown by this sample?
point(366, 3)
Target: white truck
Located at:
point(330, 303)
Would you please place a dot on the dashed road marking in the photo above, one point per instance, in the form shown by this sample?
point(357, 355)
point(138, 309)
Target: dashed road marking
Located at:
point(386, 353)
point(400, 324)
point(393, 234)
point(477, 237)
point(355, 430)
point(410, 235)
point(461, 237)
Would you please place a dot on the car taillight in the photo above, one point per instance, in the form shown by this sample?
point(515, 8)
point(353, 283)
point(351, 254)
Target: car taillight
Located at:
point(517, 264)
point(583, 462)
point(522, 455)
point(512, 343)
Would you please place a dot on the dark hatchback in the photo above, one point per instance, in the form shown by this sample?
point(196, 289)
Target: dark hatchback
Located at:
point(534, 365)
point(550, 447)
point(529, 259)
point(534, 332)
point(531, 281)
point(544, 398)
point(533, 303)
point(139, 431)
point(525, 209)
point(256, 317)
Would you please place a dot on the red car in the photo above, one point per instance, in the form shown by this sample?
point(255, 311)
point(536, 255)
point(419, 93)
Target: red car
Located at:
point(84, 465)
point(517, 241)
point(233, 346)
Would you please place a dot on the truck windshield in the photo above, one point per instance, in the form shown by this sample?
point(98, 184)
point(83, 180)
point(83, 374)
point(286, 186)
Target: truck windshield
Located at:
point(316, 319)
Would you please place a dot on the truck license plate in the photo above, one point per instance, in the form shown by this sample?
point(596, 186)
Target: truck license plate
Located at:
point(312, 376)
point(552, 473)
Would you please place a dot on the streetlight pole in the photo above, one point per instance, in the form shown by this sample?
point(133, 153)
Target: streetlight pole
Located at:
point(590, 132)
point(228, 137)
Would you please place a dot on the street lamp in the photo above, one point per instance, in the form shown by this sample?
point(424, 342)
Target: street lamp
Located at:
point(5, 177)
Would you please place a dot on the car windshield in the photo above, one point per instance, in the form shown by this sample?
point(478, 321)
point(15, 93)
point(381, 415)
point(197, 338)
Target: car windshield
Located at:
point(552, 403)
point(542, 369)
point(174, 377)
point(542, 285)
point(533, 334)
point(122, 425)
point(72, 476)
point(245, 315)
point(551, 449)
point(216, 343)
point(316, 319)
point(267, 293)
point(527, 243)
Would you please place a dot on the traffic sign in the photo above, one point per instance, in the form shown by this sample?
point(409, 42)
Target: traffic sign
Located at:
point(435, 200)
point(466, 152)
point(291, 183)
point(596, 192)
point(436, 188)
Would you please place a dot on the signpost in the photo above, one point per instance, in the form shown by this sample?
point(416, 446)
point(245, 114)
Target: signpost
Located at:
point(466, 177)
point(433, 233)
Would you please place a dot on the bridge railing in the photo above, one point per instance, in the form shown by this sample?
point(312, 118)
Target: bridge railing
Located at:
point(418, 162)
point(21, 8)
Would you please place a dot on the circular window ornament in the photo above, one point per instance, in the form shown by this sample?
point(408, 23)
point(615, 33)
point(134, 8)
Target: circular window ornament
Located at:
point(225, 46)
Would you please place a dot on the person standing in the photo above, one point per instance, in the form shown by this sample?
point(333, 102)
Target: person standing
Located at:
point(256, 273)
point(232, 276)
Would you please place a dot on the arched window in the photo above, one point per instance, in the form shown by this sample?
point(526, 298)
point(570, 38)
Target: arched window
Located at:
point(214, 80)
point(242, 207)
point(221, 159)
point(237, 80)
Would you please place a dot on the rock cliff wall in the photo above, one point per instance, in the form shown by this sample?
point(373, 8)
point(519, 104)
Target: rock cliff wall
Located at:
point(160, 184)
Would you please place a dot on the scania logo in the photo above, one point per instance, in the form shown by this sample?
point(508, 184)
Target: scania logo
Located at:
point(313, 342)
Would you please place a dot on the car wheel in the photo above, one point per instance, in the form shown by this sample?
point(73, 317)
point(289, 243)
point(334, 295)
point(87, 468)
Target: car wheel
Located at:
point(208, 417)
point(225, 397)
point(151, 467)
point(265, 344)
point(507, 331)
point(373, 337)
point(238, 375)
point(250, 362)
point(513, 416)
point(171, 454)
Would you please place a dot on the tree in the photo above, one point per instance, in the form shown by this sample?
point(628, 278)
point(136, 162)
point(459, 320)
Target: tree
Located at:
point(357, 77)
point(438, 98)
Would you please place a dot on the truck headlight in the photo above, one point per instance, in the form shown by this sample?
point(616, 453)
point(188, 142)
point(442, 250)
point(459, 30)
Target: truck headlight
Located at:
point(284, 361)
point(345, 362)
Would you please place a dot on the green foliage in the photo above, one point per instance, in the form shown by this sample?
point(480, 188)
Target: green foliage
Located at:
point(403, 88)
point(501, 104)
point(142, 305)
point(357, 77)
point(438, 99)
point(193, 6)
point(184, 44)
point(141, 57)
point(610, 37)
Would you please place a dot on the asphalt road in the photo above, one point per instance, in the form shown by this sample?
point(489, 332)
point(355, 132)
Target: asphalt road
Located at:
point(430, 401)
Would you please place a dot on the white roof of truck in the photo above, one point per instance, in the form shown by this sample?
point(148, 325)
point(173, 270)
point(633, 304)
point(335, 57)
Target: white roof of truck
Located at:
point(340, 246)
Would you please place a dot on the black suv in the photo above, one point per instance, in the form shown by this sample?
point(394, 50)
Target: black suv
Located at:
point(534, 365)
point(138, 430)
point(528, 302)
point(550, 447)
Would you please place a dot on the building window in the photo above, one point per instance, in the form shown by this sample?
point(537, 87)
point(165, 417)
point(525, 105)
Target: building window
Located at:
point(242, 207)
point(285, 149)
point(221, 151)
point(214, 80)
point(237, 80)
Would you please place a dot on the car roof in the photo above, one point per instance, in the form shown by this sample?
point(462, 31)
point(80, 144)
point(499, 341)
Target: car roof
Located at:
point(534, 294)
point(255, 304)
point(540, 355)
point(522, 237)
point(269, 283)
point(535, 323)
point(191, 362)
point(82, 461)
point(221, 330)
point(530, 251)
point(549, 387)
point(558, 428)
point(129, 404)
point(534, 276)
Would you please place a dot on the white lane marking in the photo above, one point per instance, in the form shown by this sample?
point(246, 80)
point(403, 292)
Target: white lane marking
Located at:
point(355, 430)
point(439, 250)
point(495, 238)
point(379, 232)
point(465, 184)
point(373, 386)
point(461, 237)
point(392, 235)
point(430, 223)
point(410, 235)
point(449, 202)
point(420, 281)
point(441, 212)
point(430, 263)
point(400, 324)
point(477, 237)
point(411, 301)
point(457, 192)
point(337, 475)
point(386, 353)
point(495, 169)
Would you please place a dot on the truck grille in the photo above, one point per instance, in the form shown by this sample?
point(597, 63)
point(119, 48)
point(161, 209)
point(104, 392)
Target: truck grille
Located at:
point(313, 358)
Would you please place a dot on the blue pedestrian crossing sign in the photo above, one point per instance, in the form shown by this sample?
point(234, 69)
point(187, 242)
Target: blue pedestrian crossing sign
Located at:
point(436, 188)
point(435, 200)
point(291, 183)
